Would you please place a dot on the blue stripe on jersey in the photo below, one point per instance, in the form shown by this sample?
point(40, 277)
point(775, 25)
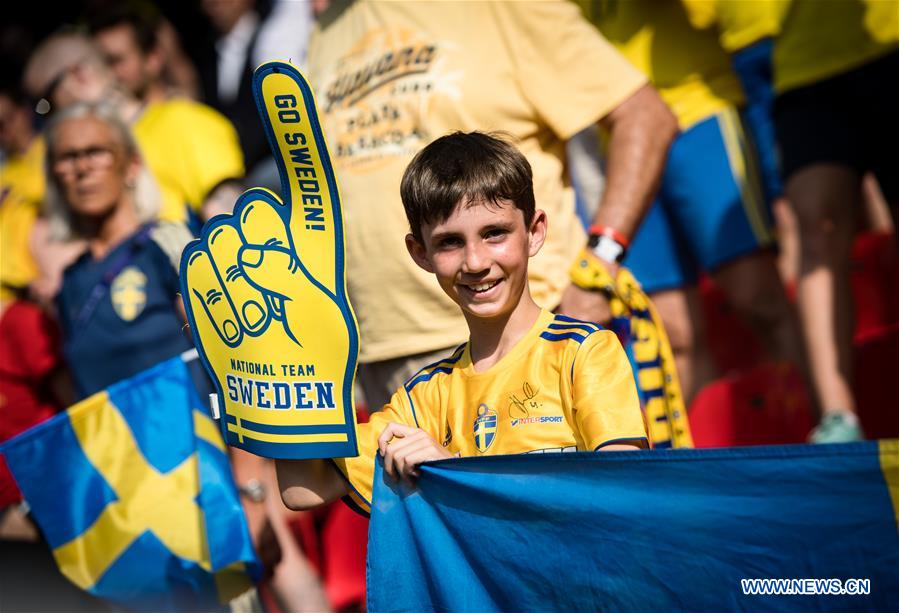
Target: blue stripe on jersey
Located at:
point(580, 338)
point(572, 320)
point(442, 366)
point(565, 326)
point(427, 376)
point(412, 406)
point(352, 503)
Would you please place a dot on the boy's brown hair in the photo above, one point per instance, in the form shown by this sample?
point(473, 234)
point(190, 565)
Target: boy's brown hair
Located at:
point(468, 167)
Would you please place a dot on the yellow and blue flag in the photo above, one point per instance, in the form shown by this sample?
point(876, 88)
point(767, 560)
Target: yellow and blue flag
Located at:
point(133, 491)
point(769, 528)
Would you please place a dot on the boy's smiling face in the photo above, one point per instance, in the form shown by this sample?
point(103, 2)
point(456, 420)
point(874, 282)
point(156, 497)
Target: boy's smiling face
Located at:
point(480, 255)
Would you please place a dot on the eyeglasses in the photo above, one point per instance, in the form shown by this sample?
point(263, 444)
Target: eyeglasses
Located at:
point(96, 158)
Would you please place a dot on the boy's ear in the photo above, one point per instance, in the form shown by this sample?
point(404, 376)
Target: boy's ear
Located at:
point(537, 233)
point(419, 253)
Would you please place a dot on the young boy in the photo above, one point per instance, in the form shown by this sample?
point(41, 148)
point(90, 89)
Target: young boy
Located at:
point(527, 381)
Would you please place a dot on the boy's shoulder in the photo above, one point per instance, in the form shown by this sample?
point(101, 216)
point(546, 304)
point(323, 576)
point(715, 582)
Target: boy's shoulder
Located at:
point(563, 328)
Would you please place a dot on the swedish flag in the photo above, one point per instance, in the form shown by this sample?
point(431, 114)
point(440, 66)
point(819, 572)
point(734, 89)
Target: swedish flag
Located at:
point(134, 494)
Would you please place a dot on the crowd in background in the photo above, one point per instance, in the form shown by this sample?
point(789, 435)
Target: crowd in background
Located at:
point(741, 143)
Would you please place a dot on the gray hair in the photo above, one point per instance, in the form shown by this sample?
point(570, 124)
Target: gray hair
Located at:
point(145, 192)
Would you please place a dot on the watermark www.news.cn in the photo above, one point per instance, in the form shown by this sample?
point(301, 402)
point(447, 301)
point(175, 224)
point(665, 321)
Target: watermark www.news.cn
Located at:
point(806, 587)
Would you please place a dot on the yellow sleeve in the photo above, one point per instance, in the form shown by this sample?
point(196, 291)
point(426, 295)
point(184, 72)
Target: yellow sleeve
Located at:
point(701, 13)
point(17, 266)
point(359, 472)
point(606, 404)
point(570, 74)
point(744, 23)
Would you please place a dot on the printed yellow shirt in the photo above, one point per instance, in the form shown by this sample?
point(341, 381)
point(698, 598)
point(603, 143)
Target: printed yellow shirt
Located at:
point(688, 66)
point(823, 39)
point(390, 77)
point(565, 386)
point(21, 194)
point(189, 148)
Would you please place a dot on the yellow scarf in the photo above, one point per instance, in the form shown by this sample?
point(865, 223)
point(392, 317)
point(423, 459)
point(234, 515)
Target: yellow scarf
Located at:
point(663, 402)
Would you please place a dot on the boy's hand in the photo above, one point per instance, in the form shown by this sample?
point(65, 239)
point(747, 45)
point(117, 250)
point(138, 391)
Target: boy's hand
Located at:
point(404, 448)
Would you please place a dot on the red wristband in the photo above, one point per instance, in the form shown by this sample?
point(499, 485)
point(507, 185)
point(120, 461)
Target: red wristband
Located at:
point(615, 235)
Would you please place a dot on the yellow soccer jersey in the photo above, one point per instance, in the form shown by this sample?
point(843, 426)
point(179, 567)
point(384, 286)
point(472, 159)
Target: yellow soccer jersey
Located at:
point(688, 66)
point(21, 193)
point(565, 386)
point(189, 148)
point(740, 22)
point(823, 39)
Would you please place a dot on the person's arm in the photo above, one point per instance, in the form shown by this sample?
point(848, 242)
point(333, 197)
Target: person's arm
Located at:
point(641, 130)
point(306, 484)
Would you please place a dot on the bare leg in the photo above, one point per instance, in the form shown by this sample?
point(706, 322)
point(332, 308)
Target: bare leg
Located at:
point(876, 208)
point(680, 311)
point(787, 240)
point(825, 197)
point(755, 291)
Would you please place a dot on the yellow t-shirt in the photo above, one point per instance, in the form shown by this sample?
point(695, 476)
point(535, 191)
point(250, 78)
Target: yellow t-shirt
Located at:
point(21, 194)
point(821, 39)
point(189, 149)
point(390, 77)
point(688, 66)
point(565, 386)
point(739, 22)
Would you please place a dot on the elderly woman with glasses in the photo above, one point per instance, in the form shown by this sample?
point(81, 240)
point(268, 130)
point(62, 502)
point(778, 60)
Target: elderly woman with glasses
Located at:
point(119, 305)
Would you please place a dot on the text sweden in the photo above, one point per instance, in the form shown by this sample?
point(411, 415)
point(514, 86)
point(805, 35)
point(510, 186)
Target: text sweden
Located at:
point(278, 395)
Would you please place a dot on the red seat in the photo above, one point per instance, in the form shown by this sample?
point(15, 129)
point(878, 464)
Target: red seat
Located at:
point(876, 369)
point(765, 405)
point(875, 283)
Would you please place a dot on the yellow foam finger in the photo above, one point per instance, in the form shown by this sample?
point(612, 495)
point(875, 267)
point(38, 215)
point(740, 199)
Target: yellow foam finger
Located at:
point(215, 318)
point(248, 302)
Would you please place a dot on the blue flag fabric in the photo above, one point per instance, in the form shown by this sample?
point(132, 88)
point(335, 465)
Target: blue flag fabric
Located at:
point(639, 531)
point(133, 492)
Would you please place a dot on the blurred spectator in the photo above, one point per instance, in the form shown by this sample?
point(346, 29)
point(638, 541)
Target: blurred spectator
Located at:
point(21, 189)
point(244, 42)
point(835, 66)
point(29, 361)
point(143, 50)
point(711, 214)
point(128, 35)
point(746, 31)
point(221, 200)
point(117, 305)
point(188, 147)
point(392, 76)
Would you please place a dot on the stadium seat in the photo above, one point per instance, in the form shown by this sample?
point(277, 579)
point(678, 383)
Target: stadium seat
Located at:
point(764, 405)
point(876, 360)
